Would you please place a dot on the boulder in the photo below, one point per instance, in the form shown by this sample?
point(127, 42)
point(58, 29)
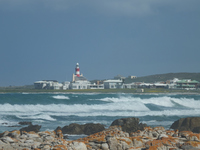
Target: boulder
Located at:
point(91, 128)
point(87, 129)
point(35, 128)
point(25, 123)
point(129, 124)
point(187, 124)
point(73, 128)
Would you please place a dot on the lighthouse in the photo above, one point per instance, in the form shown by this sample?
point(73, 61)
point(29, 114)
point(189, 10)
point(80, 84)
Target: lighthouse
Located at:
point(77, 75)
point(77, 70)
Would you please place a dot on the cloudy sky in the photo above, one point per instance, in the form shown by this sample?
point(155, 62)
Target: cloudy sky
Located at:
point(44, 39)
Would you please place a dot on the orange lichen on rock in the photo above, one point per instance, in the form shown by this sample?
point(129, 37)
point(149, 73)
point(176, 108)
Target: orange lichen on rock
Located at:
point(59, 147)
point(153, 147)
point(185, 133)
point(59, 134)
point(148, 129)
point(31, 132)
point(154, 143)
point(194, 137)
point(170, 132)
point(15, 131)
point(138, 138)
point(98, 138)
point(193, 143)
point(159, 128)
point(127, 141)
point(47, 132)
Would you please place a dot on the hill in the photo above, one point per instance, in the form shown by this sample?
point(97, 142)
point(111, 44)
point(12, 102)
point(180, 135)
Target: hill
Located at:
point(164, 77)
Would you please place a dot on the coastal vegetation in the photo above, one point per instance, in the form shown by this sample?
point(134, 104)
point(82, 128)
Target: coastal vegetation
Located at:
point(164, 77)
point(146, 90)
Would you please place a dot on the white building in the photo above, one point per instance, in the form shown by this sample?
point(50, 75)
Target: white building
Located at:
point(96, 86)
point(113, 84)
point(40, 84)
point(66, 85)
point(78, 80)
point(48, 84)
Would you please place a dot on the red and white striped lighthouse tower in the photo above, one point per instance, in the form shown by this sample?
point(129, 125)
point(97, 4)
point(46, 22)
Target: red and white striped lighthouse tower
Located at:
point(77, 70)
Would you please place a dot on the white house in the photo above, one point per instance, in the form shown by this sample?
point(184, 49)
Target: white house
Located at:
point(96, 86)
point(48, 84)
point(79, 85)
point(66, 85)
point(79, 82)
point(113, 84)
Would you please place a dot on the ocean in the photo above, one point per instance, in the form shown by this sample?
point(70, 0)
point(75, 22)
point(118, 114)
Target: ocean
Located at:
point(51, 110)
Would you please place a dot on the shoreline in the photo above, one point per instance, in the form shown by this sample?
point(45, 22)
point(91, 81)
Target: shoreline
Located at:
point(103, 91)
point(112, 138)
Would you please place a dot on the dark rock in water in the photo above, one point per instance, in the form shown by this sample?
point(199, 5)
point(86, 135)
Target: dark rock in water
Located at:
point(87, 129)
point(4, 123)
point(129, 124)
point(25, 123)
point(187, 124)
point(91, 128)
point(58, 128)
point(14, 126)
point(35, 128)
point(73, 128)
point(196, 130)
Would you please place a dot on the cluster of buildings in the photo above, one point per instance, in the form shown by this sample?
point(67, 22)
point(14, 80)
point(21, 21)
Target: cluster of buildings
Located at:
point(80, 82)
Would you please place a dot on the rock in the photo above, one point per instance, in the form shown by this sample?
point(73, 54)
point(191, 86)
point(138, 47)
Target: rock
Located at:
point(187, 124)
point(79, 146)
point(89, 128)
point(25, 123)
point(4, 134)
point(58, 128)
point(109, 139)
point(113, 143)
point(129, 124)
point(14, 134)
point(35, 128)
point(7, 139)
point(104, 146)
point(73, 128)
point(188, 147)
point(4, 146)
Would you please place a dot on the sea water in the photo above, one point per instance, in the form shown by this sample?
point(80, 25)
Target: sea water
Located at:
point(51, 110)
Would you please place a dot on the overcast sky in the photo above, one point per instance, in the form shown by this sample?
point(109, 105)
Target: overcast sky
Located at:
point(44, 39)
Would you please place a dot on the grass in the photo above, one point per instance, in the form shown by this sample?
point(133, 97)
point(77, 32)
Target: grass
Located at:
point(146, 90)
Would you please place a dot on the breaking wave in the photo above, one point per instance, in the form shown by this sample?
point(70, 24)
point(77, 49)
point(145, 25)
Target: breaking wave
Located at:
point(159, 101)
point(60, 97)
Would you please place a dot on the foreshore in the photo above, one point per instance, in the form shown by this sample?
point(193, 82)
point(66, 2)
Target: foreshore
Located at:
point(114, 138)
point(134, 91)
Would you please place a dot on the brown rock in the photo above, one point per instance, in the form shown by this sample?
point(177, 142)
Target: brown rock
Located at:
point(187, 124)
point(129, 124)
point(89, 128)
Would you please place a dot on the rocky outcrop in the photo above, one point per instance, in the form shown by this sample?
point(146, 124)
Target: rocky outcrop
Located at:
point(42, 140)
point(35, 128)
point(110, 139)
point(129, 124)
point(25, 123)
point(187, 124)
point(89, 128)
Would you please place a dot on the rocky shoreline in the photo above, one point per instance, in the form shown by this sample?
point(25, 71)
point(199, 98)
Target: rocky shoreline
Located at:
point(123, 134)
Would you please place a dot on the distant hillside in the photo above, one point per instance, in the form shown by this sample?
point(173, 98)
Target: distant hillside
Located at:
point(164, 77)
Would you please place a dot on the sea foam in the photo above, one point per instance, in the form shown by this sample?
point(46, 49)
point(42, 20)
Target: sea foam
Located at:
point(60, 97)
